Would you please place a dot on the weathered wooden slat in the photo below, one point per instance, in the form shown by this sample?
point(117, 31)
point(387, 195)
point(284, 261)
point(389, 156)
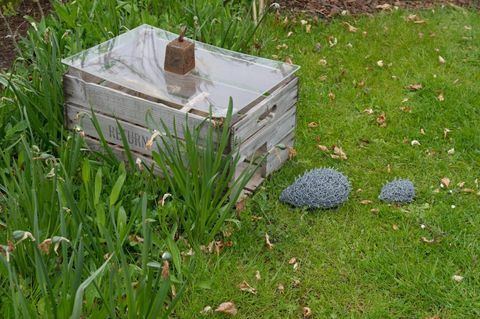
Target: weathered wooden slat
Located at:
point(137, 136)
point(267, 112)
point(276, 156)
point(269, 136)
point(124, 106)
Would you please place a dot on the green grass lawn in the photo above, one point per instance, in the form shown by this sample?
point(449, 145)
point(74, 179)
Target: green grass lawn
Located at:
point(365, 259)
point(369, 260)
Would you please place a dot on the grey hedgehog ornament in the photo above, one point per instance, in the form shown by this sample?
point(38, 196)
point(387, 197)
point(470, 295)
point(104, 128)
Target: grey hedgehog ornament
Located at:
point(400, 191)
point(319, 188)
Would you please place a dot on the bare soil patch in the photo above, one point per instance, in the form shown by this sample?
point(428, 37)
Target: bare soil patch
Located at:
point(18, 26)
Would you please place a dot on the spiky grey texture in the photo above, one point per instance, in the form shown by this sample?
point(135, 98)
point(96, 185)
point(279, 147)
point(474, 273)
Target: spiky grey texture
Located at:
point(318, 188)
point(400, 191)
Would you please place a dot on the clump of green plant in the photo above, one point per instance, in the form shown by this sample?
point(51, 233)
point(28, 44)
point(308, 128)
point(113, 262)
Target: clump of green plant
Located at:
point(71, 245)
point(200, 171)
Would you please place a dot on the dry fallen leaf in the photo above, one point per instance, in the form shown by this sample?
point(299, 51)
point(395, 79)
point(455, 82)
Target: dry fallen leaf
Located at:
point(332, 41)
point(308, 28)
point(380, 63)
point(313, 124)
point(415, 19)
point(395, 227)
point(468, 190)
point(415, 142)
point(227, 308)
point(368, 111)
point(292, 260)
point(406, 109)
point(457, 278)
point(289, 34)
point(461, 184)
point(267, 242)
point(451, 151)
point(385, 6)
point(338, 153)
point(444, 182)
point(381, 120)
point(365, 202)
point(441, 59)
point(445, 132)
point(422, 131)
point(331, 96)
point(428, 241)
point(288, 60)
point(291, 152)
point(207, 310)
point(414, 87)
point(257, 275)
point(244, 286)
point(375, 210)
point(322, 62)
point(307, 313)
point(323, 148)
point(281, 288)
point(440, 97)
point(350, 27)
point(295, 283)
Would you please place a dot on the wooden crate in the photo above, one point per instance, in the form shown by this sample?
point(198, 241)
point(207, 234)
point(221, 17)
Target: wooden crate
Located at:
point(263, 127)
point(266, 128)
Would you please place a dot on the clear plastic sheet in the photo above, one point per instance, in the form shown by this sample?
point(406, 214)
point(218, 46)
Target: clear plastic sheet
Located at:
point(135, 59)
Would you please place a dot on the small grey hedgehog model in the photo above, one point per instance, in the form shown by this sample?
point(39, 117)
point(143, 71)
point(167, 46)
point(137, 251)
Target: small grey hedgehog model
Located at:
point(400, 191)
point(318, 188)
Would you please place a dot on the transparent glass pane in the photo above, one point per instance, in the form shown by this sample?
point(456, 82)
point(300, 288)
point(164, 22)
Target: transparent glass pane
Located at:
point(135, 60)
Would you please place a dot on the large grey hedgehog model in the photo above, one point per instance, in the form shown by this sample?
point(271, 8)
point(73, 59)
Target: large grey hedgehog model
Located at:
point(318, 188)
point(400, 191)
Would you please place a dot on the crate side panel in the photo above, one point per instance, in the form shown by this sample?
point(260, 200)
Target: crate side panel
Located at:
point(126, 107)
point(267, 112)
point(137, 136)
point(270, 135)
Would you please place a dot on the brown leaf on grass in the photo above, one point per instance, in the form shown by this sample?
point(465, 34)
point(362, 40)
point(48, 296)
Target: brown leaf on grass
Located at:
point(135, 239)
point(289, 34)
point(332, 41)
point(227, 308)
point(385, 6)
point(461, 184)
point(368, 111)
point(381, 120)
point(441, 59)
point(415, 143)
point(323, 148)
point(444, 182)
point(365, 202)
point(428, 241)
point(395, 227)
point(375, 210)
point(350, 27)
point(440, 97)
point(414, 87)
point(445, 132)
point(244, 286)
point(165, 269)
point(312, 124)
point(288, 60)
point(257, 275)
point(241, 206)
point(415, 19)
point(255, 218)
point(468, 190)
point(45, 245)
point(406, 109)
point(380, 63)
point(280, 288)
point(308, 28)
point(307, 313)
point(268, 244)
point(338, 153)
point(422, 131)
point(292, 261)
point(331, 96)
point(296, 283)
point(291, 152)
